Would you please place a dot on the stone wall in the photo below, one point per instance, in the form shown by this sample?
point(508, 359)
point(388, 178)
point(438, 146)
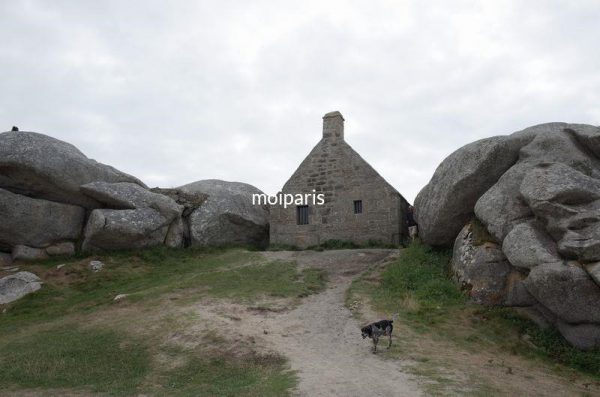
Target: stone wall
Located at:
point(342, 175)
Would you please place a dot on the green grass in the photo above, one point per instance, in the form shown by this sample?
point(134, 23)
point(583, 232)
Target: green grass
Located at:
point(333, 245)
point(480, 233)
point(253, 375)
point(282, 247)
point(277, 279)
point(344, 244)
point(44, 347)
point(144, 274)
point(548, 341)
point(99, 360)
point(113, 363)
point(148, 274)
point(420, 280)
point(418, 286)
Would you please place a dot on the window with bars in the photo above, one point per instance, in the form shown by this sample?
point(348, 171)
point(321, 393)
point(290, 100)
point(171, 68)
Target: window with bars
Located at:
point(302, 214)
point(358, 206)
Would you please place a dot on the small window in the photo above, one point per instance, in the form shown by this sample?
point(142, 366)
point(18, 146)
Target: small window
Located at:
point(302, 214)
point(358, 206)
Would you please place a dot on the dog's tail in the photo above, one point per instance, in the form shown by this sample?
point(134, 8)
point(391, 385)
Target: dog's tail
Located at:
point(394, 317)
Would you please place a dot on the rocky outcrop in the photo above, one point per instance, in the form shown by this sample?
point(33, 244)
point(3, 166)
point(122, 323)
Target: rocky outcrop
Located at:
point(527, 245)
point(25, 253)
point(587, 137)
point(54, 200)
point(204, 213)
point(189, 199)
point(482, 270)
point(48, 188)
point(566, 290)
point(582, 336)
point(227, 217)
point(17, 286)
point(139, 218)
point(131, 196)
point(568, 201)
point(37, 223)
point(179, 233)
point(124, 229)
point(40, 166)
point(445, 205)
point(499, 207)
point(67, 248)
point(540, 208)
point(5, 259)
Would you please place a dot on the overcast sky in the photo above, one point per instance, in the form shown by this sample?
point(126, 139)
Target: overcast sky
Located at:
point(177, 91)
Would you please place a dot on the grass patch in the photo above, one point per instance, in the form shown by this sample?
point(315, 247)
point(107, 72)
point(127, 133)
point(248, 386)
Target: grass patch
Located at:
point(480, 233)
point(548, 342)
point(345, 244)
point(108, 362)
point(142, 274)
point(277, 279)
point(282, 247)
point(147, 274)
point(333, 245)
point(39, 351)
point(418, 287)
point(99, 360)
point(250, 375)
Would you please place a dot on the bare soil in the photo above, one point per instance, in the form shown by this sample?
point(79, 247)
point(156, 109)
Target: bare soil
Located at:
point(320, 337)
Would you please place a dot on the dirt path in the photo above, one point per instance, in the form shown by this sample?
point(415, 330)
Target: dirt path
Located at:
point(323, 343)
point(320, 337)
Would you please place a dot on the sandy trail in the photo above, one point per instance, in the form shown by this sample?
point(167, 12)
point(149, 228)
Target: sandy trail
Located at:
point(320, 337)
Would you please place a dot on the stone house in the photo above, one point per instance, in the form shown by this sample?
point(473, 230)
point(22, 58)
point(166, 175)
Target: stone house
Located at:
point(359, 204)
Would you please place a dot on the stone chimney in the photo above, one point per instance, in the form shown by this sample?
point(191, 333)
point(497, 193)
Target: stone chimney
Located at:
point(333, 126)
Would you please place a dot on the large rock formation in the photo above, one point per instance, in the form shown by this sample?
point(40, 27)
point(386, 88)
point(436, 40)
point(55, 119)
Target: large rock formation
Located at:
point(42, 205)
point(457, 184)
point(179, 232)
point(124, 229)
point(124, 195)
point(480, 268)
point(37, 223)
point(54, 200)
point(48, 188)
point(228, 216)
point(40, 166)
point(139, 218)
point(536, 195)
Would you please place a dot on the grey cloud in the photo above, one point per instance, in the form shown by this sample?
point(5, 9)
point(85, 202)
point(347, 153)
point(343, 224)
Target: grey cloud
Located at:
point(197, 90)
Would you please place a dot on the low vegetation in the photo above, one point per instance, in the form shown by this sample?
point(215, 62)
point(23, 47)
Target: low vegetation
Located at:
point(67, 357)
point(334, 245)
point(250, 375)
point(418, 287)
point(72, 336)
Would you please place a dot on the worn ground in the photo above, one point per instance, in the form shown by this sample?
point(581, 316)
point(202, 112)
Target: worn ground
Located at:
point(319, 335)
point(321, 339)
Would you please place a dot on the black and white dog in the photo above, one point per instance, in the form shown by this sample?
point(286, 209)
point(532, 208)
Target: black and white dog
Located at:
point(375, 330)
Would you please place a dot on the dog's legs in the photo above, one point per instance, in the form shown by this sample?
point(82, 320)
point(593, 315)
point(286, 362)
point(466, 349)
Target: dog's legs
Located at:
point(390, 335)
point(375, 340)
